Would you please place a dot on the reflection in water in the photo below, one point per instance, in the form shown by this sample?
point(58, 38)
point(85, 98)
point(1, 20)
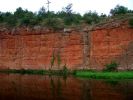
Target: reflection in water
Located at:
point(36, 87)
point(86, 92)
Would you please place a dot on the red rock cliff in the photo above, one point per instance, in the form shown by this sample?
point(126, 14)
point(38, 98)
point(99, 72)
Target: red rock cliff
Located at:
point(112, 42)
point(25, 48)
point(36, 50)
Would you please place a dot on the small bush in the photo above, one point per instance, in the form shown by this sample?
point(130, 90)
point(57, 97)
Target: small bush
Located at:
point(52, 60)
point(65, 70)
point(131, 22)
point(111, 67)
point(55, 23)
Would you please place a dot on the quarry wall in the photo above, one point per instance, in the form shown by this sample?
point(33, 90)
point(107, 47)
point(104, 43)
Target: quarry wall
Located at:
point(26, 48)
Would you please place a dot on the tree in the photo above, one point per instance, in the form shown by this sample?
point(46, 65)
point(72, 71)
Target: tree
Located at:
point(76, 19)
point(55, 23)
point(130, 11)
point(61, 14)
point(68, 18)
point(68, 8)
point(1, 17)
point(42, 13)
point(19, 13)
point(103, 15)
point(119, 10)
point(8, 19)
point(25, 17)
point(91, 17)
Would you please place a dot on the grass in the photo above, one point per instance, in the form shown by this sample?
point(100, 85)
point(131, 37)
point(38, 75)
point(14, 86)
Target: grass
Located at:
point(23, 71)
point(76, 73)
point(105, 75)
point(39, 72)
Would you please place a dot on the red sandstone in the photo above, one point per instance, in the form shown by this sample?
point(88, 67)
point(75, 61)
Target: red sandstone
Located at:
point(31, 49)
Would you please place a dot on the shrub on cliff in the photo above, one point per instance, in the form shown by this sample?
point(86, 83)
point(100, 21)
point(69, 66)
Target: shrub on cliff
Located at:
point(91, 17)
point(66, 17)
point(131, 22)
point(119, 10)
point(7, 18)
point(55, 23)
point(111, 66)
point(25, 17)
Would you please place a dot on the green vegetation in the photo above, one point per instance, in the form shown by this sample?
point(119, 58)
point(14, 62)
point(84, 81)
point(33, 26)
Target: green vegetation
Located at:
point(119, 10)
point(131, 22)
point(77, 73)
point(24, 71)
point(111, 67)
point(52, 60)
point(56, 20)
point(91, 18)
point(63, 72)
point(59, 59)
point(105, 75)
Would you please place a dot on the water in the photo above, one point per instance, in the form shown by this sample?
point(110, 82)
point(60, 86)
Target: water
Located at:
point(37, 87)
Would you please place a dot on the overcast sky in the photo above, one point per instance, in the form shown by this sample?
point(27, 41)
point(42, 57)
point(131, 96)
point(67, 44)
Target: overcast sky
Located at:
point(81, 6)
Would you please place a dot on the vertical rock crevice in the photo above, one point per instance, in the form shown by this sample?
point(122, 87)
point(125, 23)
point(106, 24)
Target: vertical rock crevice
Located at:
point(86, 49)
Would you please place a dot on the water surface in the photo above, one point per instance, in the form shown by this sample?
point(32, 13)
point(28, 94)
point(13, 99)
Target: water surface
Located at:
point(39, 87)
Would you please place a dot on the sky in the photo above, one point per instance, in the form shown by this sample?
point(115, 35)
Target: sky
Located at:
point(79, 6)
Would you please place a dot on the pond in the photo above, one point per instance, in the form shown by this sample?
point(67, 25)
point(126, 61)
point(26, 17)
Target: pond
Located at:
point(41, 87)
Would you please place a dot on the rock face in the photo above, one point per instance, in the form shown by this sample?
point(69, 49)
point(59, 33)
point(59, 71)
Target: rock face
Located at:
point(112, 43)
point(41, 50)
point(26, 48)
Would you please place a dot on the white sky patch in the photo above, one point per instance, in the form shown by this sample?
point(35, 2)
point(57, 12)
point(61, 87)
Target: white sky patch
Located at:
point(81, 6)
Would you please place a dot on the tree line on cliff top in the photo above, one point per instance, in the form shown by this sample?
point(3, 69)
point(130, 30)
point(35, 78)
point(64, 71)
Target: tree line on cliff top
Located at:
point(58, 20)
